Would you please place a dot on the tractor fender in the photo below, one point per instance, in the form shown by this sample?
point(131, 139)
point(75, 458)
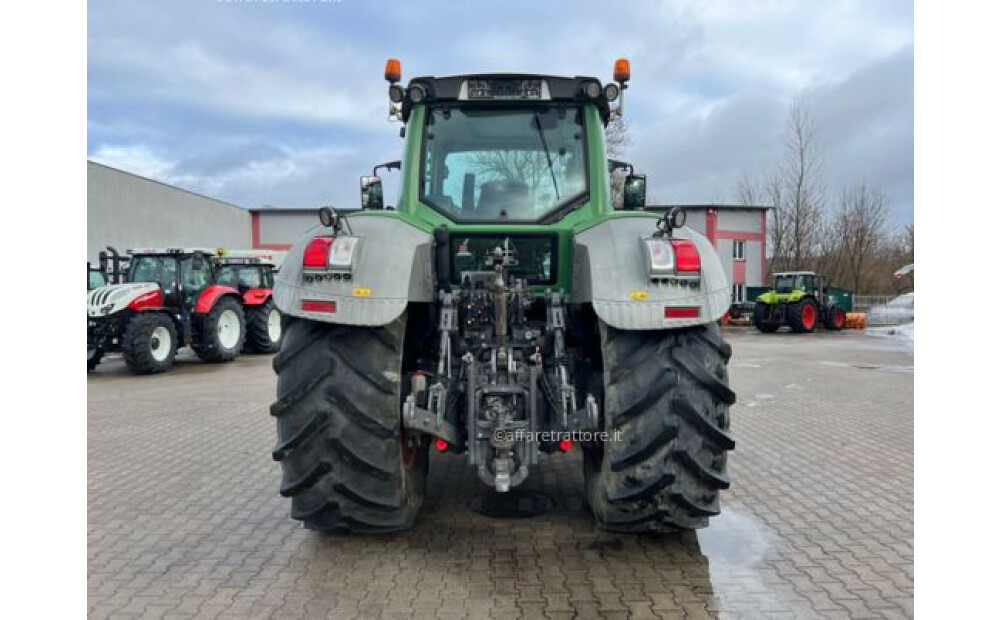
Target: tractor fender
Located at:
point(610, 272)
point(207, 298)
point(392, 268)
point(256, 296)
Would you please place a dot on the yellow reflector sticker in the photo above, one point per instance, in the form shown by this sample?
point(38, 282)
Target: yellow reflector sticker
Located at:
point(639, 295)
point(361, 291)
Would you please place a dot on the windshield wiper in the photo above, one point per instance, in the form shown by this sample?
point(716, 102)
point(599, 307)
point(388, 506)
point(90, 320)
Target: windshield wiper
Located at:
point(548, 156)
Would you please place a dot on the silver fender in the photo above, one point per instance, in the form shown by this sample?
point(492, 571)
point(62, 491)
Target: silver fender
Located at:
point(610, 272)
point(393, 268)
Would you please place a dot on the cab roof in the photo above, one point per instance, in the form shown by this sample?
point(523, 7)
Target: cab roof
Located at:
point(508, 89)
point(171, 251)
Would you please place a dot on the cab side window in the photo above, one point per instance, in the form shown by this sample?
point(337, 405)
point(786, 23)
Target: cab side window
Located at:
point(195, 279)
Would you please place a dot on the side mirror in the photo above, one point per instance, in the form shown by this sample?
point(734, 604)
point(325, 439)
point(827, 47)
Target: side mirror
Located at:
point(634, 196)
point(198, 261)
point(371, 193)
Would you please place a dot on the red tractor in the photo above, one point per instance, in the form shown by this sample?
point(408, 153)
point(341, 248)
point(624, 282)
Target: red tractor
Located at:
point(251, 273)
point(170, 298)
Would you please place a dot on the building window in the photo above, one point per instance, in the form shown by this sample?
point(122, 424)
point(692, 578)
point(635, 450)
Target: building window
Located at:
point(739, 249)
point(739, 293)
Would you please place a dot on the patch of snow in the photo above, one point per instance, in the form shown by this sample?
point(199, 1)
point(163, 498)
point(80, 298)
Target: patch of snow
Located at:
point(902, 334)
point(896, 310)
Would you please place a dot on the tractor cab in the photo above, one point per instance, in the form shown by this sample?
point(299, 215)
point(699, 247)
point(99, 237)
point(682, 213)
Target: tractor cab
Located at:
point(245, 273)
point(181, 274)
point(787, 282)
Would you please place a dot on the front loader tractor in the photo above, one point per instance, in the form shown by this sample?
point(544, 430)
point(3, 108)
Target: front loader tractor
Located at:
point(505, 311)
point(801, 300)
point(170, 298)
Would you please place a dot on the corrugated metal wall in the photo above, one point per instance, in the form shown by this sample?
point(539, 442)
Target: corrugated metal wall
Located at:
point(125, 211)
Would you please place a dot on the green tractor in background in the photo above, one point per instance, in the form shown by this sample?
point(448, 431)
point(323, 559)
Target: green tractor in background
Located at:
point(800, 299)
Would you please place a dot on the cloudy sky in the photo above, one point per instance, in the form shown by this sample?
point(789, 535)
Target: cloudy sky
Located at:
point(283, 103)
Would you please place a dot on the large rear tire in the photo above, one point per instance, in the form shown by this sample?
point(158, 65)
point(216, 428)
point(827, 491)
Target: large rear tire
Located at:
point(223, 329)
point(263, 328)
point(760, 320)
point(667, 394)
point(803, 316)
point(149, 343)
point(346, 462)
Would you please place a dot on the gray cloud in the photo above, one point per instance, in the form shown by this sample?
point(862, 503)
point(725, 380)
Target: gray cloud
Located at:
point(285, 105)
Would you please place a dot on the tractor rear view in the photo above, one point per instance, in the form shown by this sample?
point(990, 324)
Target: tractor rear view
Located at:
point(801, 300)
point(503, 310)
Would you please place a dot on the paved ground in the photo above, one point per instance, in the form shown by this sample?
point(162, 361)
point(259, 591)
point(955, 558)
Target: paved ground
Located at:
point(184, 519)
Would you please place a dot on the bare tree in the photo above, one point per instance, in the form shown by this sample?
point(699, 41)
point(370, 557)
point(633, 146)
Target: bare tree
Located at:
point(861, 221)
point(802, 206)
point(795, 192)
point(617, 138)
point(755, 190)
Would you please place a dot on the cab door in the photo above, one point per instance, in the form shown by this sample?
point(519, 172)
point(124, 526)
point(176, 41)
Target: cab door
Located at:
point(193, 280)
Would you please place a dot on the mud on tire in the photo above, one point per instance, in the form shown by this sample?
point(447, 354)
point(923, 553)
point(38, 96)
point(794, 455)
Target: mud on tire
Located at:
point(210, 346)
point(259, 337)
point(667, 393)
point(346, 463)
point(149, 343)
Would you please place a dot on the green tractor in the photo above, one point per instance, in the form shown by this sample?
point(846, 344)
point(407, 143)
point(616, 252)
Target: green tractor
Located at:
point(801, 300)
point(503, 310)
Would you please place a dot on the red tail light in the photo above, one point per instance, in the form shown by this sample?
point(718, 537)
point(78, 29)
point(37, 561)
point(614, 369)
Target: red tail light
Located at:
point(317, 253)
point(684, 312)
point(440, 445)
point(319, 306)
point(565, 445)
point(686, 256)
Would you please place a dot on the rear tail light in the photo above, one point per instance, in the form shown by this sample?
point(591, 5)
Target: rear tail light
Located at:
point(319, 306)
point(441, 445)
point(335, 253)
point(684, 312)
point(686, 256)
point(317, 253)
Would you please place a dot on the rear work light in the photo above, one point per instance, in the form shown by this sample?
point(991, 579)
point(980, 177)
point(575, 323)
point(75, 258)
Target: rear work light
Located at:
point(659, 256)
point(319, 306)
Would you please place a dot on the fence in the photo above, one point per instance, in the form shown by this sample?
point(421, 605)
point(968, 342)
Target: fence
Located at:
point(885, 309)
